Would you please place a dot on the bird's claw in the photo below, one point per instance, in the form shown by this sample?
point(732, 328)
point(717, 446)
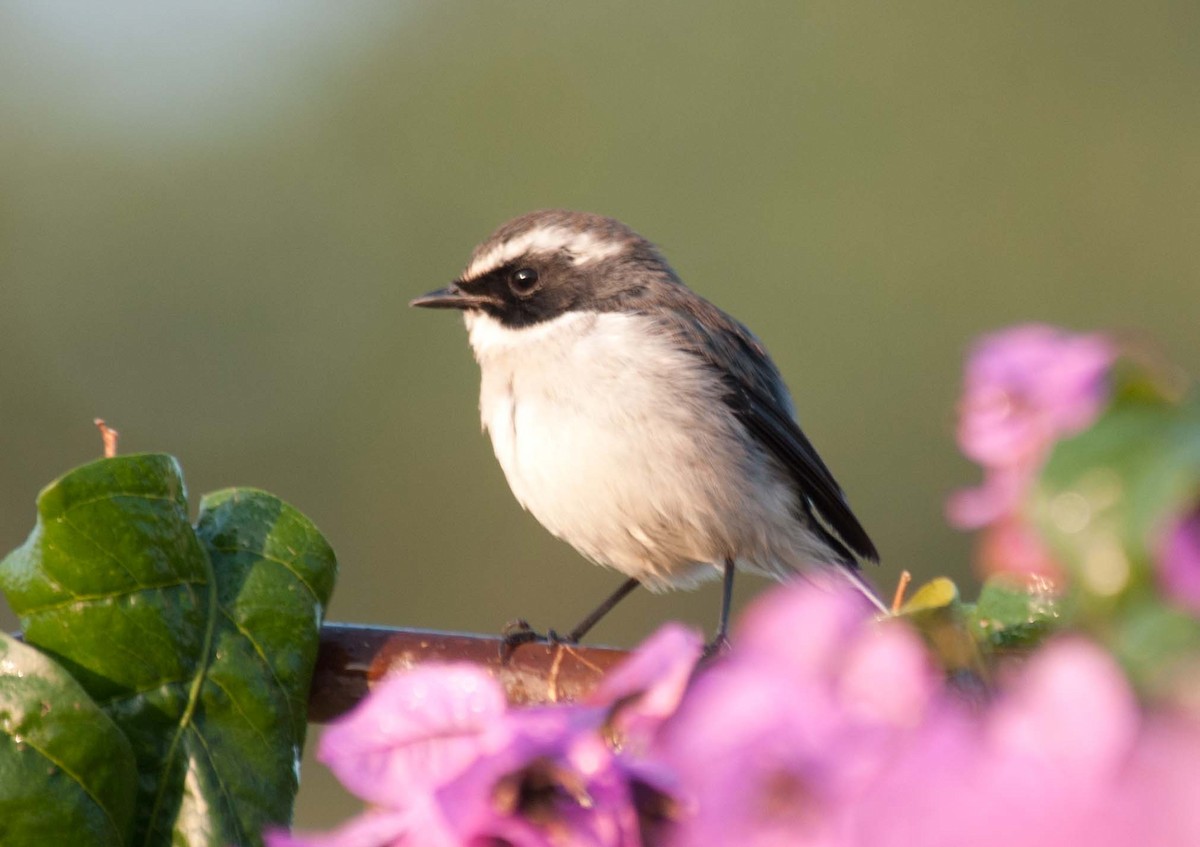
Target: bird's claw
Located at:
point(514, 634)
point(518, 632)
point(715, 648)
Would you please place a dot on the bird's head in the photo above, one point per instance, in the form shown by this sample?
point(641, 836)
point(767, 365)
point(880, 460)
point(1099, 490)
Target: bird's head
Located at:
point(546, 264)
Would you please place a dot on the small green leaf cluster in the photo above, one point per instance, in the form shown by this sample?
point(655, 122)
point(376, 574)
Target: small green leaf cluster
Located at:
point(159, 695)
point(1100, 511)
point(1107, 505)
point(1011, 617)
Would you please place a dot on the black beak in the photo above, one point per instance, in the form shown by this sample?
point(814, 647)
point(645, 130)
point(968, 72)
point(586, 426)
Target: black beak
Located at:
point(452, 297)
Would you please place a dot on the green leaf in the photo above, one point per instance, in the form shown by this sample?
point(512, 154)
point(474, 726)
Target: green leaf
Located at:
point(935, 610)
point(276, 574)
point(67, 772)
point(199, 643)
point(1014, 612)
point(1158, 645)
point(1105, 494)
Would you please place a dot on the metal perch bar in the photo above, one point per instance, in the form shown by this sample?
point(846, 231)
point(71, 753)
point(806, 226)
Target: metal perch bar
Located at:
point(352, 658)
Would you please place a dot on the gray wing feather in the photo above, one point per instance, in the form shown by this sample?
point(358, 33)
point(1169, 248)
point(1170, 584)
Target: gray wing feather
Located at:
point(759, 399)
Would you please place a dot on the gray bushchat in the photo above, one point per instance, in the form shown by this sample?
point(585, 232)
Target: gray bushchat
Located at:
point(637, 421)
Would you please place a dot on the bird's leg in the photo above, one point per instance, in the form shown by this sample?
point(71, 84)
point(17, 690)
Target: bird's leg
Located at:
point(581, 629)
point(719, 641)
point(519, 632)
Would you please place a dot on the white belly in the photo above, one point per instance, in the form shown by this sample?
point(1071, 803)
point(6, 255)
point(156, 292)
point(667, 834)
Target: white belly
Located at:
point(621, 446)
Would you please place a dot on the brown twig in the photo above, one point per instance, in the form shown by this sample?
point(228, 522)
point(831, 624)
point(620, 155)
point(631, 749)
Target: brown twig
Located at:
point(901, 587)
point(352, 658)
point(109, 437)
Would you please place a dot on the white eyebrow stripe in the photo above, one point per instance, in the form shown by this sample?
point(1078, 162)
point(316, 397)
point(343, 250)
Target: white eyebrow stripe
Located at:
point(583, 248)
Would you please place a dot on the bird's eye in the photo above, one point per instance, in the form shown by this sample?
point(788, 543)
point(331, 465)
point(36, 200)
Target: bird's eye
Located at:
point(523, 281)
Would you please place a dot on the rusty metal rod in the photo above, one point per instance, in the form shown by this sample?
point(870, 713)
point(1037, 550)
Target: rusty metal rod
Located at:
point(353, 657)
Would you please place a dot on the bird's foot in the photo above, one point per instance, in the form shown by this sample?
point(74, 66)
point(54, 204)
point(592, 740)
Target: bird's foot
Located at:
point(518, 632)
point(714, 648)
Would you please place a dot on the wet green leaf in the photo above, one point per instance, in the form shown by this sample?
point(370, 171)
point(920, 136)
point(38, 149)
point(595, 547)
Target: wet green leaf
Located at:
point(1106, 494)
point(199, 643)
point(67, 773)
point(1014, 612)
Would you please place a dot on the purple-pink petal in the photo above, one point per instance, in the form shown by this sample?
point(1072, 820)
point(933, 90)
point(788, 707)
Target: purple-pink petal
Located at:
point(647, 687)
point(579, 790)
point(1029, 385)
point(1178, 560)
point(1010, 545)
point(888, 678)
point(1024, 389)
point(417, 731)
point(1071, 706)
point(1041, 766)
point(758, 759)
point(998, 497)
point(824, 726)
point(801, 627)
point(1158, 789)
point(776, 743)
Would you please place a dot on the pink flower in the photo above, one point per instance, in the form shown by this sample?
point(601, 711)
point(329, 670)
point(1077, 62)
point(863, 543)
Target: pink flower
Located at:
point(1045, 765)
point(1158, 790)
point(1010, 545)
point(1028, 386)
point(824, 726)
point(776, 743)
point(446, 762)
point(1025, 388)
point(1178, 560)
point(649, 685)
point(417, 732)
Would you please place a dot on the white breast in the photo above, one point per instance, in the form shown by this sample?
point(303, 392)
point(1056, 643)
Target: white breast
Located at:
point(620, 444)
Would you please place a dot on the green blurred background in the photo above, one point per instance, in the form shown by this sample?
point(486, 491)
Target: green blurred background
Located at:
point(213, 214)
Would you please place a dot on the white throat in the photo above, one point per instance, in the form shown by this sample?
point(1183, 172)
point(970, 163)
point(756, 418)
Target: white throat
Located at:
point(489, 338)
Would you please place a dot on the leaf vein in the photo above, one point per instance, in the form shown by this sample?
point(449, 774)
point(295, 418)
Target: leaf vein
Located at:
point(113, 595)
point(193, 695)
point(266, 742)
point(230, 804)
point(86, 790)
point(283, 563)
point(266, 663)
point(74, 528)
point(134, 495)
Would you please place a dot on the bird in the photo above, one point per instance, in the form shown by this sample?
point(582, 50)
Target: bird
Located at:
point(637, 421)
